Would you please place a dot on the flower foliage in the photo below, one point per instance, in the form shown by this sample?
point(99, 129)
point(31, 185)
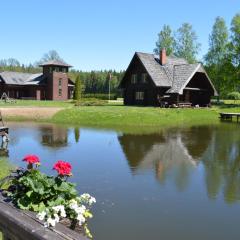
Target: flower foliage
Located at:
point(53, 198)
point(63, 168)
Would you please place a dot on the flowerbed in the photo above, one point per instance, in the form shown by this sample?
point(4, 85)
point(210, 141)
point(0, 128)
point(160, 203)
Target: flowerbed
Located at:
point(52, 198)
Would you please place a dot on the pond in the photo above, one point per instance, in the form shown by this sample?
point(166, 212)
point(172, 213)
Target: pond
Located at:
point(181, 183)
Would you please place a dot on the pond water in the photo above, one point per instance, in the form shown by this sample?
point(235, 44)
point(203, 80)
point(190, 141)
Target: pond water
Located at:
point(180, 183)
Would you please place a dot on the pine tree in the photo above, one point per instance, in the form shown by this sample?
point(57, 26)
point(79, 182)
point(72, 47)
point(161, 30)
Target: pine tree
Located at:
point(78, 89)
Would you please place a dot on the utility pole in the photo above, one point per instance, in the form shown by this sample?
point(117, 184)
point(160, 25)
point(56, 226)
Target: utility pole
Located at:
point(109, 86)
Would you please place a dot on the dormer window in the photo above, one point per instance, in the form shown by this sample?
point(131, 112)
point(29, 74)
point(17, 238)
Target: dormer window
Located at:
point(144, 78)
point(134, 79)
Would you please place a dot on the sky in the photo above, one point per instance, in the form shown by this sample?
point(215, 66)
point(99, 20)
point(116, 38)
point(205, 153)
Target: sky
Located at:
point(104, 34)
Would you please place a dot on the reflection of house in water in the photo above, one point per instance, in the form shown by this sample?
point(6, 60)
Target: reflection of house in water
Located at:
point(170, 152)
point(54, 136)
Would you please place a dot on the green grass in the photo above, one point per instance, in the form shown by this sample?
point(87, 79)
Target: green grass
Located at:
point(123, 117)
point(5, 167)
point(34, 103)
point(114, 115)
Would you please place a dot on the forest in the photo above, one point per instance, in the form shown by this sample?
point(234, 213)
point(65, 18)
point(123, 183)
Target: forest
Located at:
point(222, 60)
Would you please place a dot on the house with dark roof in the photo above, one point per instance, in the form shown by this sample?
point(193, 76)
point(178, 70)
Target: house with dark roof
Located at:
point(52, 84)
point(166, 80)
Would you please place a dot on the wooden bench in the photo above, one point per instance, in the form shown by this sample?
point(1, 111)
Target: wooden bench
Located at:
point(184, 104)
point(229, 116)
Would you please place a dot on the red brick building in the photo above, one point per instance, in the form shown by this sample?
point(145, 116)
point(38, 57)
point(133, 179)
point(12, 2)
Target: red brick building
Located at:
point(52, 84)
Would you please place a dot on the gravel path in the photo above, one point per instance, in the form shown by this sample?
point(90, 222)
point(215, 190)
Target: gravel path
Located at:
point(30, 112)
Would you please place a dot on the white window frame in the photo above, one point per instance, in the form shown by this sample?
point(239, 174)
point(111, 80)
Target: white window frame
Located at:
point(139, 96)
point(144, 77)
point(134, 78)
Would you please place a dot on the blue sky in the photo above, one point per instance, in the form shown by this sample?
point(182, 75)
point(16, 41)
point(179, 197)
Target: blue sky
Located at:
point(94, 35)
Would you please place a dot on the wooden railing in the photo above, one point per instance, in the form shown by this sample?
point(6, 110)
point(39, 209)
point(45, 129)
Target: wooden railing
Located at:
point(22, 225)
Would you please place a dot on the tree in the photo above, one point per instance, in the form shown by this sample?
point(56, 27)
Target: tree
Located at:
point(165, 40)
point(235, 44)
point(78, 89)
point(186, 45)
point(51, 55)
point(217, 54)
point(77, 134)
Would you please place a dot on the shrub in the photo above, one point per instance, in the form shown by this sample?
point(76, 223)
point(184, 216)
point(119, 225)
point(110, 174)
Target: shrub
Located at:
point(102, 96)
point(91, 102)
point(234, 96)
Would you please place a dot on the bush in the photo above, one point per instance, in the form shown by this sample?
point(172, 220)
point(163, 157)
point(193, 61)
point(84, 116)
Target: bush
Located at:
point(233, 96)
point(102, 96)
point(91, 102)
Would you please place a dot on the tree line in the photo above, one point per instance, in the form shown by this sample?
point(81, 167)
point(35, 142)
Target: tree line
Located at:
point(222, 60)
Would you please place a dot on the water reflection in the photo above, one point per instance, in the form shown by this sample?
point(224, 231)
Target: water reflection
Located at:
point(54, 136)
point(174, 154)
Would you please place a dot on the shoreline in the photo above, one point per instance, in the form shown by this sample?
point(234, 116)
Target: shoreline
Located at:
point(120, 118)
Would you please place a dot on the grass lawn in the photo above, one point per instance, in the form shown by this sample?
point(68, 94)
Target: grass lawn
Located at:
point(34, 103)
point(123, 117)
point(114, 115)
point(5, 167)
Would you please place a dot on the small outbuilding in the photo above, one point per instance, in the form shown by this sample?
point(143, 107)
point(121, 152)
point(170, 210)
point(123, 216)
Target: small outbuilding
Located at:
point(152, 80)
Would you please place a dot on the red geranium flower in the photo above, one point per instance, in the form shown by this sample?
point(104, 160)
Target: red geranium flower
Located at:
point(31, 159)
point(63, 168)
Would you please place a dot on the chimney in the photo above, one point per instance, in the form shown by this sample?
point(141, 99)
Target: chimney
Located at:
point(163, 57)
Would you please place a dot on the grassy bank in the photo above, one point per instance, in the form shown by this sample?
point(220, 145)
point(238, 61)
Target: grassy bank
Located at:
point(119, 116)
point(5, 167)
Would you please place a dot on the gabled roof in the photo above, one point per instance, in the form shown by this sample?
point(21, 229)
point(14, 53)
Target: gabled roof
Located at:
point(18, 78)
point(154, 69)
point(55, 63)
point(181, 76)
point(175, 74)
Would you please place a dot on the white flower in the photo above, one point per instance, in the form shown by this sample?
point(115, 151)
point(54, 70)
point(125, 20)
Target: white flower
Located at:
point(51, 222)
point(92, 200)
point(80, 210)
point(73, 204)
point(41, 215)
point(56, 218)
point(87, 198)
point(81, 219)
point(60, 209)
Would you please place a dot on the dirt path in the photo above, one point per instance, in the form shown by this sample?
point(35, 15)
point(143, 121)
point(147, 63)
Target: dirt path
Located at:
point(30, 112)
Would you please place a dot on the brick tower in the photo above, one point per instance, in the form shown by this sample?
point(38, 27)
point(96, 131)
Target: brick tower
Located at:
point(55, 73)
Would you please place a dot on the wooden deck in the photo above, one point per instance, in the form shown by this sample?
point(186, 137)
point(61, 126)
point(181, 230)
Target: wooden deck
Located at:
point(229, 116)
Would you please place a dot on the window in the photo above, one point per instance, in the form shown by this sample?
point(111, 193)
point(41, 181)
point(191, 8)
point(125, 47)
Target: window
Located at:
point(60, 87)
point(139, 95)
point(134, 79)
point(144, 78)
point(50, 70)
point(59, 92)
